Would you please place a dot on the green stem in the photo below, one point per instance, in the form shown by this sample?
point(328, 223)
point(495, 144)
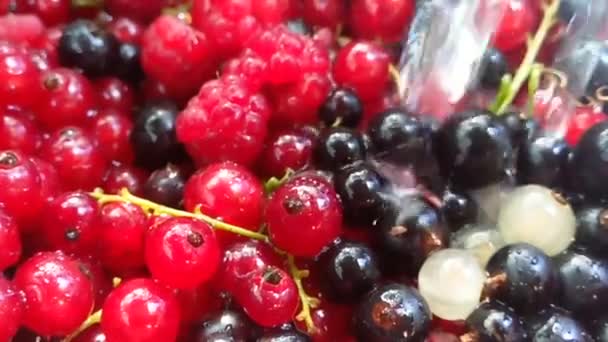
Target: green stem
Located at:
point(93, 319)
point(87, 3)
point(307, 302)
point(534, 46)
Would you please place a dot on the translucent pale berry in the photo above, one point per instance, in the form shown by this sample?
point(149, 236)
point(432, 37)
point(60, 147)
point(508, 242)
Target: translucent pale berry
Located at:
point(182, 252)
point(140, 310)
point(58, 295)
point(304, 209)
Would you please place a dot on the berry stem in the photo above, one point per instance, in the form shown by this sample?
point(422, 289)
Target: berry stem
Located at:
point(534, 46)
point(155, 208)
point(87, 3)
point(93, 319)
point(307, 301)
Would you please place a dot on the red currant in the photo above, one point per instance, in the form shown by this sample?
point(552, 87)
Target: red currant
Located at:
point(19, 131)
point(582, 120)
point(76, 156)
point(59, 296)
point(269, 297)
point(11, 309)
point(127, 30)
point(363, 67)
point(21, 192)
point(299, 102)
point(115, 94)
point(122, 230)
point(324, 13)
point(52, 12)
point(289, 149)
point(102, 282)
point(519, 19)
point(19, 77)
point(139, 10)
point(182, 252)
point(113, 132)
point(49, 179)
point(228, 192)
point(10, 242)
point(21, 29)
point(384, 19)
point(119, 176)
point(272, 12)
point(304, 209)
point(140, 310)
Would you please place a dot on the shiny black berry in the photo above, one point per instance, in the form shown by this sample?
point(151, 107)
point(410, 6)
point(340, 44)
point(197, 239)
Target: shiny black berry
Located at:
point(474, 149)
point(592, 229)
point(517, 124)
point(494, 66)
point(153, 137)
point(590, 58)
point(583, 283)
point(342, 107)
point(338, 147)
point(599, 329)
point(495, 321)
point(522, 276)
point(393, 312)
point(349, 270)
point(556, 325)
point(291, 335)
point(400, 138)
point(227, 325)
point(459, 209)
point(543, 160)
point(408, 233)
point(589, 165)
point(166, 186)
point(128, 65)
point(361, 190)
point(85, 45)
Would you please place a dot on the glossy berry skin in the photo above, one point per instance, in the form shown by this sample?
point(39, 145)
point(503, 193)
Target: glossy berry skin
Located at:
point(19, 131)
point(338, 147)
point(115, 94)
point(360, 190)
point(51, 12)
point(410, 235)
point(20, 77)
point(399, 137)
point(523, 276)
point(49, 179)
point(166, 186)
point(66, 98)
point(583, 283)
point(71, 223)
point(495, 321)
point(140, 310)
point(154, 130)
point(392, 312)
point(218, 126)
point(592, 228)
point(76, 156)
point(297, 103)
point(521, 129)
point(91, 334)
point(543, 160)
point(128, 63)
point(10, 242)
point(304, 209)
point(11, 309)
point(520, 17)
point(362, 67)
point(122, 230)
point(556, 325)
point(383, 19)
point(85, 45)
point(589, 166)
point(323, 13)
point(226, 325)
point(269, 297)
point(58, 294)
point(280, 335)
point(583, 119)
point(473, 143)
point(599, 329)
point(112, 131)
point(140, 11)
point(126, 30)
point(343, 106)
point(226, 191)
point(120, 176)
point(176, 55)
point(494, 67)
point(458, 209)
point(349, 270)
point(21, 186)
point(288, 149)
point(182, 253)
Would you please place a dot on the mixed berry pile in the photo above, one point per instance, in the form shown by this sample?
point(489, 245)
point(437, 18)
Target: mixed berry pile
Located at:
point(243, 170)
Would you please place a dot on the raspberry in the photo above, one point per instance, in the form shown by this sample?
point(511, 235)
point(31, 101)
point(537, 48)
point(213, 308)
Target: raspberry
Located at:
point(250, 68)
point(298, 103)
point(177, 55)
point(385, 19)
point(289, 55)
point(225, 121)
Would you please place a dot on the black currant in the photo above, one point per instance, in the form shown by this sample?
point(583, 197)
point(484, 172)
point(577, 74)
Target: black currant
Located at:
point(494, 66)
point(166, 186)
point(400, 138)
point(494, 321)
point(517, 124)
point(592, 229)
point(349, 270)
point(583, 283)
point(128, 65)
point(599, 329)
point(589, 164)
point(342, 106)
point(521, 276)
point(474, 149)
point(227, 325)
point(291, 335)
point(556, 325)
point(338, 147)
point(393, 312)
point(543, 160)
point(85, 45)
point(153, 137)
point(459, 209)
